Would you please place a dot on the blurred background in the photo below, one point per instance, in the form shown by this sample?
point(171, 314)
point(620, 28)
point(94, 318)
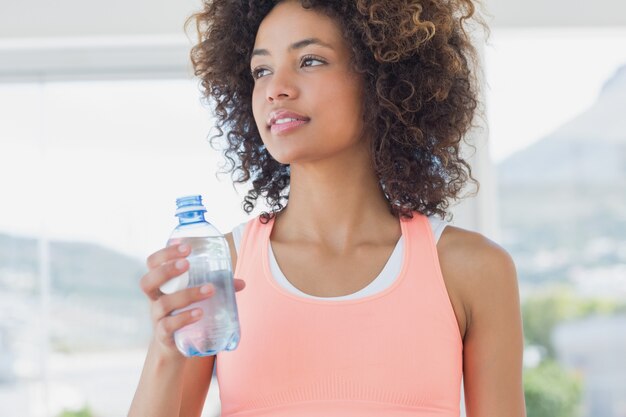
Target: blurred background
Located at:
point(102, 127)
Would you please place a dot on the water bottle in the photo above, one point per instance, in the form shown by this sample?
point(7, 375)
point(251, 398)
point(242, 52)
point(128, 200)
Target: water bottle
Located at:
point(209, 262)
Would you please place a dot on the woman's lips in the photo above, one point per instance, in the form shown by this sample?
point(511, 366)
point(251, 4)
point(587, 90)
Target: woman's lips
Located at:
point(284, 128)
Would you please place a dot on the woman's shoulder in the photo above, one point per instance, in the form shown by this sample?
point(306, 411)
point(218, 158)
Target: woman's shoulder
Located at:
point(234, 238)
point(472, 251)
point(476, 268)
point(233, 249)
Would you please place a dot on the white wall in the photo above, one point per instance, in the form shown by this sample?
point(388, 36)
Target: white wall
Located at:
point(62, 18)
point(557, 13)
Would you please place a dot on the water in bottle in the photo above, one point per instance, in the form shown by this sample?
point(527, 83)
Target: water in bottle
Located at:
point(209, 262)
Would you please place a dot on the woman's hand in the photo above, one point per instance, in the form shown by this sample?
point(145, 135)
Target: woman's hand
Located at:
point(163, 265)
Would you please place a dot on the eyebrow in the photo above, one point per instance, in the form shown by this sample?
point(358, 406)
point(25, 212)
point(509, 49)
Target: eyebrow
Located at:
point(297, 45)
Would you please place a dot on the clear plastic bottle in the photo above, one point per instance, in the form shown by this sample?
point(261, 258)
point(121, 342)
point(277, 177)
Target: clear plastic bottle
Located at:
point(209, 262)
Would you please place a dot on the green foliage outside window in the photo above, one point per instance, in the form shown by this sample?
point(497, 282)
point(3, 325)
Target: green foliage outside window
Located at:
point(541, 313)
point(551, 391)
point(83, 412)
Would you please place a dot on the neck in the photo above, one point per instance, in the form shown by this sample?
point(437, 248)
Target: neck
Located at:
point(338, 204)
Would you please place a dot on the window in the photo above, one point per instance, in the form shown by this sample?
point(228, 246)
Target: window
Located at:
point(91, 171)
point(557, 131)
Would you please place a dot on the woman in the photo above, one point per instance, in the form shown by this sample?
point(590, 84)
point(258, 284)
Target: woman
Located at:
point(356, 302)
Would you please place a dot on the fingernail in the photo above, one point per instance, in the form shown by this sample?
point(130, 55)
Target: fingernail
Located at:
point(196, 312)
point(205, 289)
point(181, 263)
point(183, 248)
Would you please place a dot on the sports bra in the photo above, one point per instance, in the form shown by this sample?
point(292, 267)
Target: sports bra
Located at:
point(384, 280)
point(395, 352)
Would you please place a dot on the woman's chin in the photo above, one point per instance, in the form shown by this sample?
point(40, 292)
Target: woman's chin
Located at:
point(284, 158)
point(289, 158)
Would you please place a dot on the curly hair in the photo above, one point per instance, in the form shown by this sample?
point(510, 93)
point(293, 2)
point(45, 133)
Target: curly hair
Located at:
point(421, 94)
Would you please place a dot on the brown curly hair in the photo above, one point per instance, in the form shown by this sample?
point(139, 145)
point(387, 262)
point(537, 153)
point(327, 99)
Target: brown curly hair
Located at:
point(421, 94)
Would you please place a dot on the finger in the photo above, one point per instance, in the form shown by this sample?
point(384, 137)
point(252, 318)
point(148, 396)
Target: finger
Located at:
point(168, 325)
point(166, 304)
point(167, 254)
point(240, 284)
point(151, 282)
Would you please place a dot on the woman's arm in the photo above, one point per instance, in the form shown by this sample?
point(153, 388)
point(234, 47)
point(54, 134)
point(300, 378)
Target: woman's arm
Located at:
point(172, 385)
point(481, 278)
point(493, 344)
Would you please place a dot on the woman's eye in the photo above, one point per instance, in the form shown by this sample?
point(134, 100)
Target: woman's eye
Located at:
point(258, 72)
point(311, 61)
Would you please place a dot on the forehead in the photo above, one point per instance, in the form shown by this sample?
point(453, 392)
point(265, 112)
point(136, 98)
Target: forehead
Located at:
point(289, 22)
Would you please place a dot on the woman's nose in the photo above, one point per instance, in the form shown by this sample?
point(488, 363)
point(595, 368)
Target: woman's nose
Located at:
point(281, 86)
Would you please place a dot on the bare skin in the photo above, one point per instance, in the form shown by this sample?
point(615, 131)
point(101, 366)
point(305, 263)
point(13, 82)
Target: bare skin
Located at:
point(171, 384)
point(337, 221)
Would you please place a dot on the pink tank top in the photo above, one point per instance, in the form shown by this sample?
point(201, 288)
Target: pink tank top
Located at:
point(394, 353)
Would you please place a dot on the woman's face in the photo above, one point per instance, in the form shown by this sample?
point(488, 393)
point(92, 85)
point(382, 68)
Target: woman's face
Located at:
point(306, 100)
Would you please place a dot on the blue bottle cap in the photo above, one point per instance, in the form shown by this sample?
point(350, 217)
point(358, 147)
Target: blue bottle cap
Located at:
point(189, 203)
